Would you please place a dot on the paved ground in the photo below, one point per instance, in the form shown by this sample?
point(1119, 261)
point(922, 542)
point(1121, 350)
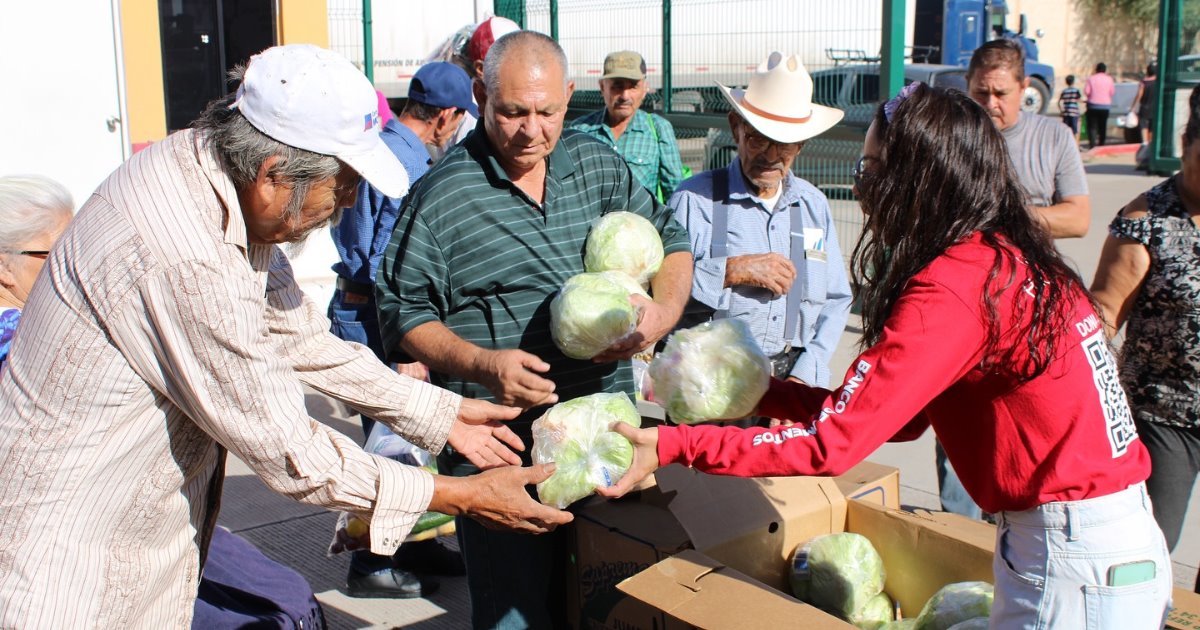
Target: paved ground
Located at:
point(298, 535)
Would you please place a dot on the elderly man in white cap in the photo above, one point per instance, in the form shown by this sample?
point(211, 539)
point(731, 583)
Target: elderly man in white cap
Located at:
point(171, 331)
point(763, 239)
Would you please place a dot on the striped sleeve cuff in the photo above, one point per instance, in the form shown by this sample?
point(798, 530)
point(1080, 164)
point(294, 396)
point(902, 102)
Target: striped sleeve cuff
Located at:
point(434, 410)
point(403, 495)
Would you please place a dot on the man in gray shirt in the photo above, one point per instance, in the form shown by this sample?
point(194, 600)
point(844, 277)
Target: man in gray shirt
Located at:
point(1043, 152)
point(1046, 160)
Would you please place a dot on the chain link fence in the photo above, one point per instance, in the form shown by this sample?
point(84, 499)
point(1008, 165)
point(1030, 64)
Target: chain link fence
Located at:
point(692, 45)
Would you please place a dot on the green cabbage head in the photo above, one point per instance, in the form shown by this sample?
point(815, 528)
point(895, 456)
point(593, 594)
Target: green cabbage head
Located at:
point(876, 614)
point(954, 603)
point(714, 371)
point(901, 624)
point(838, 573)
point(575, 436)
point(592, 312)
point(624, 241)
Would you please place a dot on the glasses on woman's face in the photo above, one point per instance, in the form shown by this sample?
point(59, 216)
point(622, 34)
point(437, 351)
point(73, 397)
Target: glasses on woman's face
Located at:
point(859, 171)
point(36, 253)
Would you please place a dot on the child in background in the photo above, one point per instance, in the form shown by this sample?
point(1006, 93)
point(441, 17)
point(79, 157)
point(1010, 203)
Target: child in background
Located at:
point(1068, 104)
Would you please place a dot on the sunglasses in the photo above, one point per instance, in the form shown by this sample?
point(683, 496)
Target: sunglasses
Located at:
point(36, 253)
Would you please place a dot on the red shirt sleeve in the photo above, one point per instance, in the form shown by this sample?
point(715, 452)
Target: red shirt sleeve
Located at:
point(932, 339)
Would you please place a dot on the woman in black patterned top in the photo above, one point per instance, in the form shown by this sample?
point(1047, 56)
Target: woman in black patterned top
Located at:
point(1149, 279)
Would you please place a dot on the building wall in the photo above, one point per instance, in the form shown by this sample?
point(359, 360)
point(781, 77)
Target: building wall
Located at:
point(298, 21)
point(145, 97)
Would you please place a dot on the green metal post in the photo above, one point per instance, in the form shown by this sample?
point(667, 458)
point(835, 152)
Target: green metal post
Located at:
point(891, 53)
point(666, 55)
point(1162, 161)
point(554, 20)
point(511, 9)
point(368, 43)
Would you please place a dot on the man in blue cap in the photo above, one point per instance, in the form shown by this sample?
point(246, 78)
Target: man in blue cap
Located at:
point(438, 97)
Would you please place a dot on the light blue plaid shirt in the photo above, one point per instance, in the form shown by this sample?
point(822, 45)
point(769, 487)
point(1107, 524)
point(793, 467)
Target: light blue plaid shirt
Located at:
point(754, 229)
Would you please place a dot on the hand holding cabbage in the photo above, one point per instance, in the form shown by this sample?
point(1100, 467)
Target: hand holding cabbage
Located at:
point(575, 435)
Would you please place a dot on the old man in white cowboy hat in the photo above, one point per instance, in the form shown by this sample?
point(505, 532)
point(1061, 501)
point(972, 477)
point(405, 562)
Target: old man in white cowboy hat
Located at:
point(763, 239)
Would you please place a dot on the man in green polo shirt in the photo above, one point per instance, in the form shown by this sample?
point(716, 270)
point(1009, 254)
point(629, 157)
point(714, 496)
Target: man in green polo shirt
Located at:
point(482, 244)
point(645, 140)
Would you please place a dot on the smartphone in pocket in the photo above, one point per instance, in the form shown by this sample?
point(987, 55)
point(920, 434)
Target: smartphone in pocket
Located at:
point(1129, 573)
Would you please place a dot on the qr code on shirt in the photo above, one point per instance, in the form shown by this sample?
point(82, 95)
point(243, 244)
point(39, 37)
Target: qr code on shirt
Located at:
point(1117, 416)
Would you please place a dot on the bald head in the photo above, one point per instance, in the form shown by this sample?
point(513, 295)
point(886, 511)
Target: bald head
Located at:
point(525, 49)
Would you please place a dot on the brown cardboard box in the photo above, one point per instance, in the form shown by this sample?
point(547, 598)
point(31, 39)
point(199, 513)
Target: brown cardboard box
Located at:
point(614, 540)
point(922, 551)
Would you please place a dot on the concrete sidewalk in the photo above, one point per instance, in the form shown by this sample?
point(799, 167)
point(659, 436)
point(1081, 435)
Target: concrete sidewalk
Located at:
point(298, 535)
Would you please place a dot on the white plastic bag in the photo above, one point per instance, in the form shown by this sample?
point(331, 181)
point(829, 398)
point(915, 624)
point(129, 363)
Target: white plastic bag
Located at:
point(714, 371)
point(592, 312)
point(575, 436)
point(626, 242)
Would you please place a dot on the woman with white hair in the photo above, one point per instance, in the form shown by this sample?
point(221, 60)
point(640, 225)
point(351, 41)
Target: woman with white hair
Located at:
point(34, 212)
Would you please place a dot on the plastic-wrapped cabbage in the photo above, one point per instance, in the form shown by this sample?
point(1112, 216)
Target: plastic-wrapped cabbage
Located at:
point(954, 603)
point(876, 614)
point(838, 573)
point(592, 312)
point(714, 371)
point(624, 241)
point(978, 623)
point(901, 624)
point(575, 436)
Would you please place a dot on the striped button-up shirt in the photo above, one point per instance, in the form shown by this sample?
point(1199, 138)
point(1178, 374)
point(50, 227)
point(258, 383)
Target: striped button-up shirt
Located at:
point(156, 338)
point(472, 251)
point(648, 146)
point(755, 229)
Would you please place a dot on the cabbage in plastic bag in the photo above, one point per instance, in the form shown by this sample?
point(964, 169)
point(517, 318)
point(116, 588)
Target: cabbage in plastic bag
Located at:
point(574, 434)
point(954, 603)
point(876, 614)
point(592, 312)
point(624, 241)
point(838, 573)
point(900, 624)
point(714, 371)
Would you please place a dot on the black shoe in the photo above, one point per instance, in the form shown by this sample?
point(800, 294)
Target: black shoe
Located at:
point(429, 557)
point(393, 583)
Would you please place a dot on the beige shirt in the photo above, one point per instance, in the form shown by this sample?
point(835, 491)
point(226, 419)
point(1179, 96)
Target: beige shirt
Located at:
point(155, 336)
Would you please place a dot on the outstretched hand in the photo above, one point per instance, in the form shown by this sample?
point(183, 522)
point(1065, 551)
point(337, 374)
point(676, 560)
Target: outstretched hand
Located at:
point(498, 500)
point(480, 436)
point(645, 459)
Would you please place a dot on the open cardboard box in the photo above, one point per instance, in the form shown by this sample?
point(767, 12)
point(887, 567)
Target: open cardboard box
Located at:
point(736, 576)
point(613, 540)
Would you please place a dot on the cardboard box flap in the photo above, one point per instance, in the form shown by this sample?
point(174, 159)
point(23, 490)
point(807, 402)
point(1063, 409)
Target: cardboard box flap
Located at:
point(1185, 611)
point(923, 551)
point(752, 525)
point(700, 591)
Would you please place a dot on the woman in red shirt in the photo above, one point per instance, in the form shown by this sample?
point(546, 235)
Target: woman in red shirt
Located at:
point(974, 324)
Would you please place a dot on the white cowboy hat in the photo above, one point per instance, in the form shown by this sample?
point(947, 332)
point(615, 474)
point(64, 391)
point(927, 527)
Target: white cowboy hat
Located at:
point(778, 101)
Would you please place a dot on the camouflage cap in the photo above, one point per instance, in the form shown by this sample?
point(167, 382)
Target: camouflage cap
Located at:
point(625, 64)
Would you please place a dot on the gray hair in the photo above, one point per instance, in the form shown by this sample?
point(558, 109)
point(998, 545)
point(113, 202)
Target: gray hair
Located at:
point(30, 206)
point(517, 40)
point(241, 149)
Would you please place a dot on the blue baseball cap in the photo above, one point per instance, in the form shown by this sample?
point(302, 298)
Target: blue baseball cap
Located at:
point(443, 84)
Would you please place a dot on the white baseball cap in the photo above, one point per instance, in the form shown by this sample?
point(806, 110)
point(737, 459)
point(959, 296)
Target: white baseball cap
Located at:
point(315, 99)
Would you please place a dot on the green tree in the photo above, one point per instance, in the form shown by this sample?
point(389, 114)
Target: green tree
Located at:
point(1124, 33)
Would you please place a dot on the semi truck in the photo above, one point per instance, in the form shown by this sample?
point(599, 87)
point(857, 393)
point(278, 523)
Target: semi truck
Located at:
point(952, 29)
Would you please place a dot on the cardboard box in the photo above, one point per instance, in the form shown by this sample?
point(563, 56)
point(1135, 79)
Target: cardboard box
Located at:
point(613, 540)
point(730, 586)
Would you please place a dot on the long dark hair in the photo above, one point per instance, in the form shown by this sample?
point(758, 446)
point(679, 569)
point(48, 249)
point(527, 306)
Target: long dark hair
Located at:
point(943, 173)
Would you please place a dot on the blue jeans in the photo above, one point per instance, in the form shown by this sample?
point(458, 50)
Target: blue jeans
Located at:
point(1051, 565)
point(359, 323)
point(954, 496)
